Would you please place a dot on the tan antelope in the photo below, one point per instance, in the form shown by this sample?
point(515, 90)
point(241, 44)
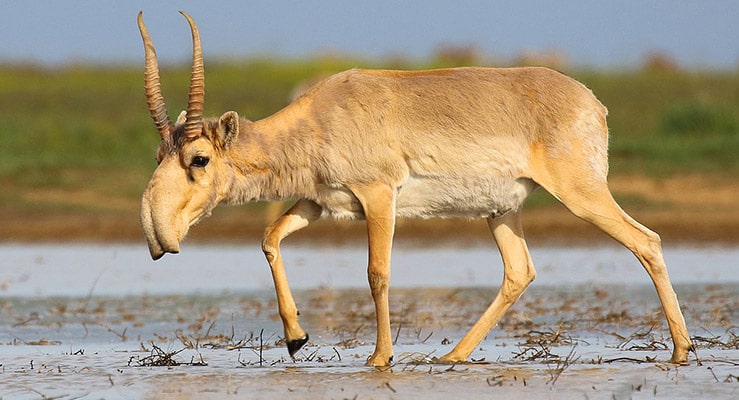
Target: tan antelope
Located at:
point(381, 144)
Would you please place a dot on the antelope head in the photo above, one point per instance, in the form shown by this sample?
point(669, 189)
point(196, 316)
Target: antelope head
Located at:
point(192, 173)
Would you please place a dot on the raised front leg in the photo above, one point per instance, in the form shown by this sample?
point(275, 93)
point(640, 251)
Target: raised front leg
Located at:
point(297, 217)
point(378, 203)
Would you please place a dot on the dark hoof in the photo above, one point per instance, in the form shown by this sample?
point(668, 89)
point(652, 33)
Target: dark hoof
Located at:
point(294, 345)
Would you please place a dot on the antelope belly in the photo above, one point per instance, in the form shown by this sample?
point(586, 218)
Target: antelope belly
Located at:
point(422, 197)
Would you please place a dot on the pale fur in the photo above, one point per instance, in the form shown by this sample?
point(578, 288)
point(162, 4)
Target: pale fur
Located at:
point(459, 148)
point(381, 144)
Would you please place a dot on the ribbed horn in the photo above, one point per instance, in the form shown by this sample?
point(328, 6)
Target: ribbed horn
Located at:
point(152, 87)
point(196, 101)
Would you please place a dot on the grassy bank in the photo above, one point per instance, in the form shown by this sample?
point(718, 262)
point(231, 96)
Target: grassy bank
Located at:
point(79, 139)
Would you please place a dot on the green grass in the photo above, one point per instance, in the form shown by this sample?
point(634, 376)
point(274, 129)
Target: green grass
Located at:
point(83, 127)
point(670, 123)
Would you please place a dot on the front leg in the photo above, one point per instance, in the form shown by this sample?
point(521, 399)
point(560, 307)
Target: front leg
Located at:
point(378, 202)
point(297, 217)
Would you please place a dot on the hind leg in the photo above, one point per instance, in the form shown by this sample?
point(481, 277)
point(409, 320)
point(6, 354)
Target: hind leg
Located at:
point(594, 203)
point(518, 274)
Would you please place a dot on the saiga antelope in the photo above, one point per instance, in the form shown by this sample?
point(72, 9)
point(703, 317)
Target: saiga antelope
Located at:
point(381, 144)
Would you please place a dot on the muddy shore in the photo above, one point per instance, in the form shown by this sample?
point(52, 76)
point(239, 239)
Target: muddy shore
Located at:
point(591, 341)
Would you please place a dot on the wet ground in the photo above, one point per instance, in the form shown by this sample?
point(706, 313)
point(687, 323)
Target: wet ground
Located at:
point(104, 321)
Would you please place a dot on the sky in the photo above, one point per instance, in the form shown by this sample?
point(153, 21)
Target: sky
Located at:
point(597, 33)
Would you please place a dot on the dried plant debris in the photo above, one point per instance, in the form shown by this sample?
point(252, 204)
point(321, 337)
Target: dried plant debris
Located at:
point(728, 341)
point(643, 340)
point(40, 342)
point(537, 345)
point(561, 365)
point(161, 358)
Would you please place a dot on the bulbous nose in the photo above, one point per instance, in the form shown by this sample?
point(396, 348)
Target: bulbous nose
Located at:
point(159, 227)
point(159, 251)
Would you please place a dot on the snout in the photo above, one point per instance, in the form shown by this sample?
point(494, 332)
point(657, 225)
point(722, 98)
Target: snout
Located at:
point(161, 233)
point(158, 251)
point(171, 204)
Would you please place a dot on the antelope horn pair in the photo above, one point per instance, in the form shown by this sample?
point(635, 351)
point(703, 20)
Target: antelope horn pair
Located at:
point(153, 89)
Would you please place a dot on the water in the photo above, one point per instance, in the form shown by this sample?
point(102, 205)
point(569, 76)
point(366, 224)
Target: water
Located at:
point(78, 270)
point(79, 321)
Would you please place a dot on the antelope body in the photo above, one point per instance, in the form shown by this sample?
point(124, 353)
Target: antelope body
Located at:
point(382, 144)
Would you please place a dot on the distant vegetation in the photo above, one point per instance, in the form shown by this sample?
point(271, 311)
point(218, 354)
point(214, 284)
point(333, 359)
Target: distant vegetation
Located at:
point(88, 127)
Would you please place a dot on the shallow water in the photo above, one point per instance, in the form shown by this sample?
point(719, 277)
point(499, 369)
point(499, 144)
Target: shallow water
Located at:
point(79, 321)
point(78, 270)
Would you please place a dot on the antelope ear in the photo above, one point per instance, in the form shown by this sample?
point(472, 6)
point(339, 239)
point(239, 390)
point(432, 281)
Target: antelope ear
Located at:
point(228, 128)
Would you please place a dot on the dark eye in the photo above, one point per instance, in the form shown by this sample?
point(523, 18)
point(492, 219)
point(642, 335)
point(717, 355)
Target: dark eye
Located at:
point(199, 161)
